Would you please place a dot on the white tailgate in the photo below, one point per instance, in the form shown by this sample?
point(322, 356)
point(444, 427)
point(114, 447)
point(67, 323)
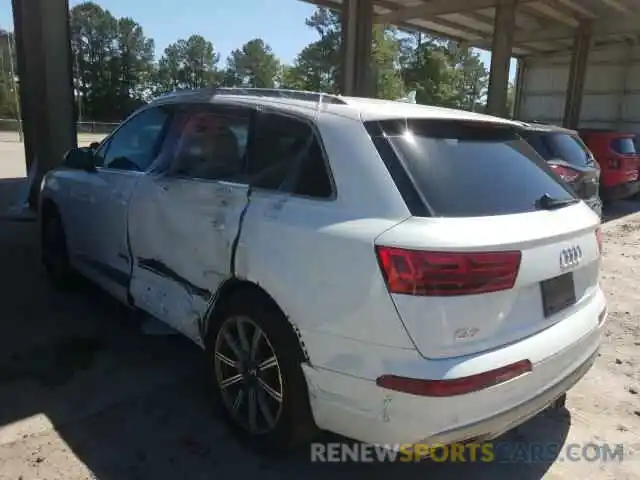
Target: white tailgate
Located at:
point(460, 325)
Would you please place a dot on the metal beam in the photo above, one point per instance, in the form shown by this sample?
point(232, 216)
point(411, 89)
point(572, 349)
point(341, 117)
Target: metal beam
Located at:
point(577, 76)
point(46, 84)
point(435, 8)
point(624, 85)
point(521, 69)
point(461, 29)
point(357, 25)
point(553, 13)
point(501, 51)
point(575, 6)
point(616, 5)
point(603, 27)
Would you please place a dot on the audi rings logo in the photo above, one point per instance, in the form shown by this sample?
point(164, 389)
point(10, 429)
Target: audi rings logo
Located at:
point(570, 257)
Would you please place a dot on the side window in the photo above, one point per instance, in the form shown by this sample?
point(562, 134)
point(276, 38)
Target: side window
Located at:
point(135, 145)
point(288, 157)
point(208, 142)
point(623, 146)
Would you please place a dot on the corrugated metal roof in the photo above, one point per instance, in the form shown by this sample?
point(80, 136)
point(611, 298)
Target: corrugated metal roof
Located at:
point(542, 26)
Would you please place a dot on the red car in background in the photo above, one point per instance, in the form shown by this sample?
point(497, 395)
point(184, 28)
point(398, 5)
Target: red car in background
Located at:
point(619, 161)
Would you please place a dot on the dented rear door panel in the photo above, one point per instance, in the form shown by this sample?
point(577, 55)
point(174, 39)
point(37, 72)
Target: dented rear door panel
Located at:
point(182, 233)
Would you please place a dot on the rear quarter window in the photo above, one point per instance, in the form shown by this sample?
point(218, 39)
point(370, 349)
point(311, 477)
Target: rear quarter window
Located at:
point(470, 169)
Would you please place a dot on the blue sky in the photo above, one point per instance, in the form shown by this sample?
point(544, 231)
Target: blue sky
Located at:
point(227, 23)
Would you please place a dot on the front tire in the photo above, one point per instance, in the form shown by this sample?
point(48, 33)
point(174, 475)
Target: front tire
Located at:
point(55, 255)
point(258, 381)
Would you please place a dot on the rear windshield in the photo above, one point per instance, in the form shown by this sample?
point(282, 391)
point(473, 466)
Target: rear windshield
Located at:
point(623, 146)
point(470, 169)
point(560, 146)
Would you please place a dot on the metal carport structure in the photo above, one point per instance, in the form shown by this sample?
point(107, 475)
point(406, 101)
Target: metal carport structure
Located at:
point(521, 28)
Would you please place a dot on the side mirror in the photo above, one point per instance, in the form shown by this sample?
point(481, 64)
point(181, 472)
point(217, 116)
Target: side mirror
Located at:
point(80, 159)
point(94, 145)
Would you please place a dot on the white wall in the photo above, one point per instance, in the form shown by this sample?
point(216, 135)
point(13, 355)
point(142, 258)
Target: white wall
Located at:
point(611, 96)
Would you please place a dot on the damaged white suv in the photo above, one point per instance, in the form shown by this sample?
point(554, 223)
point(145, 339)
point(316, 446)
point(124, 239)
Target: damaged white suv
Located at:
point(394, 273)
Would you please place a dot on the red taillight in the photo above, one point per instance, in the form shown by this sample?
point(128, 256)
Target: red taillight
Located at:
point(566, 173)
point(415, 272)
point(599, 239)
point(456, 386)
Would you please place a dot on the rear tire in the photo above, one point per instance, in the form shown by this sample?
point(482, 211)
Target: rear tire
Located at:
point(55, 255)
point(258, 383)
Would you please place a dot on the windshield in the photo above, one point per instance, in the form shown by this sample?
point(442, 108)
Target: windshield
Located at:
point(560, 145)
point(469, 169)
point(623, 146)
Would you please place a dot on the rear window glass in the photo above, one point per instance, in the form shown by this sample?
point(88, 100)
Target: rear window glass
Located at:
point(624, 146)
point(561, 146)
point(469, 169)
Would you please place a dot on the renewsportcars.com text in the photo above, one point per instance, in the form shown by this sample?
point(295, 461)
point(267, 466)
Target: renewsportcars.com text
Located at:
point(489, 452)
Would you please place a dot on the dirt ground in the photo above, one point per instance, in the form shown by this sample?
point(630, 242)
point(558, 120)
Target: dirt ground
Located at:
point(12, 154)
point(83, 394)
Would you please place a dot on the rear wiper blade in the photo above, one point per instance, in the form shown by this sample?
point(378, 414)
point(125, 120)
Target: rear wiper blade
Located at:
point(547, 202)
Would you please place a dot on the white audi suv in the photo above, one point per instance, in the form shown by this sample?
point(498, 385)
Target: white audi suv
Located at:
point(391, 272)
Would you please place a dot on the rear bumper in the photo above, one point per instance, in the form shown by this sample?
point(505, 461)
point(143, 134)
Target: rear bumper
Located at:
point(623, 190)
point(351, 404)
point(496, 425)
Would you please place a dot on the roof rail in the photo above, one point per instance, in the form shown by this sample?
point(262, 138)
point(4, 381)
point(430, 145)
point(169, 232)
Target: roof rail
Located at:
point(317, 97)
point(282, 93)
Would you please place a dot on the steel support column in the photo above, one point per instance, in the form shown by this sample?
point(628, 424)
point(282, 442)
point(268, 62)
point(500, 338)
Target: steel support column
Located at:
point(357, 24)
point(502, 45)
point(625, 80)
point(577, 76)
point(46, 84)
point(519, 86)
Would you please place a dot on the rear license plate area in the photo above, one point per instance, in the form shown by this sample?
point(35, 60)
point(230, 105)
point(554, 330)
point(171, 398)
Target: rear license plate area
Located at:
point(558, 293)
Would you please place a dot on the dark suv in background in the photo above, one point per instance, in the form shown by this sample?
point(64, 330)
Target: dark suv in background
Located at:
point(569, 158)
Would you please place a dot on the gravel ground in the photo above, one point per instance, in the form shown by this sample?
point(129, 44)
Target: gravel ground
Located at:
point(84, 395)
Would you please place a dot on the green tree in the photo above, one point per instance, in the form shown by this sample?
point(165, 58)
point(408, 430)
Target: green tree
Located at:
point(442, 72)
point(93, 37)
point(8, 84)
point(189, 63)
point(386, 51)
point(253, 65)
point(311, 71)
point(426, 69)
point(318, 66)
point(113, 62)
point(167, 76)
point(291, 78)
point(133, 65)
point(471, 76)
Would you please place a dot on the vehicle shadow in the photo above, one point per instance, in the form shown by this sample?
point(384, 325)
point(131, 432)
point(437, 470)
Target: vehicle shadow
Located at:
point(621, 208)
point(84, 394)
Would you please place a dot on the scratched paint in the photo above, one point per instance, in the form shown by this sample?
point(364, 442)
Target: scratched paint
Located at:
point(163, 270)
